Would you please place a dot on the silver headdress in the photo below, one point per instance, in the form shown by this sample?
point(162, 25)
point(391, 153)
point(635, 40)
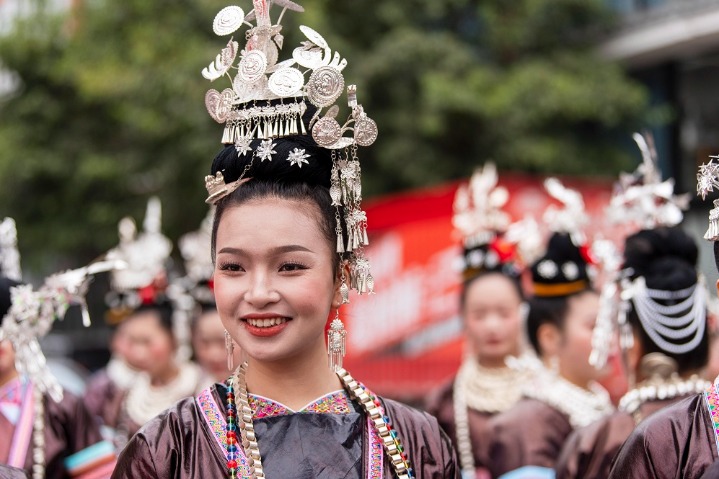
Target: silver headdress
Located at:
point(32, 314)
point(29, 318)
point(676, 328)
point(145, 255)
point(707, 180)
point(642, 198)
point(571, 218)
point(195, 249)
point(258, 77)
point(9, 254)
point(489, 238)
point(478, 215)
point(643, 201)
point(267, 101)
point(606, 326)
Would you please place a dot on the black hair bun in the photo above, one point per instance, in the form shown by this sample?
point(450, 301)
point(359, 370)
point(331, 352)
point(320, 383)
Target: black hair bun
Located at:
point(279, 170)
point(562, 270)
point(666, 257)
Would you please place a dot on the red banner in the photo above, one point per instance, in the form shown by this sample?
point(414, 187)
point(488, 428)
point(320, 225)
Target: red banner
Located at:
point(407, 338)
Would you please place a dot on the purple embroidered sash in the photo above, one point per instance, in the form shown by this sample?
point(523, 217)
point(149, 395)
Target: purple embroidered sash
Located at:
point(23, 429)
point(711, 398)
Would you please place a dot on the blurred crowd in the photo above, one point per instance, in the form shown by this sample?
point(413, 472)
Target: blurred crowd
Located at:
point(545, 325)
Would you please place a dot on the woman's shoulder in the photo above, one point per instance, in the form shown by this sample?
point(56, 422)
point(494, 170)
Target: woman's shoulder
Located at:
point(184, 415)
point(428, 447)
point(176, 433)
point(403, 413)
point(439, 397)
point(677, 439)
point(589, 450)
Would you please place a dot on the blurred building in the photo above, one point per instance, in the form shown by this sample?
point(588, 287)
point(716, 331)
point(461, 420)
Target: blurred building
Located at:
point(672, 46)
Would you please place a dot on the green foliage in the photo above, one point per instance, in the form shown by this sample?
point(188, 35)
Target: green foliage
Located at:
point(110, 107)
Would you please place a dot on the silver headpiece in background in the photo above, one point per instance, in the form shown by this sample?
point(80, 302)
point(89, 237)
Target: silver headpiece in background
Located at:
point(9, 254)
point(32, 314)
point(642, 199)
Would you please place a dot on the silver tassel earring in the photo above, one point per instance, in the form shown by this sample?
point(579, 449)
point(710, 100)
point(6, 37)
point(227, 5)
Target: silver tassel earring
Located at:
point(336, 342)
point(230, 348)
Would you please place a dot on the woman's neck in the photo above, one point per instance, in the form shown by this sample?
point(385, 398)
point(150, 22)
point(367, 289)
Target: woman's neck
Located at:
point(294, 382)
point(577, 380)
point(165, 376)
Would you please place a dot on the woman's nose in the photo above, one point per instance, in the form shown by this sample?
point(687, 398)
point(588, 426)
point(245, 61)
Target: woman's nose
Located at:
point(261, 291)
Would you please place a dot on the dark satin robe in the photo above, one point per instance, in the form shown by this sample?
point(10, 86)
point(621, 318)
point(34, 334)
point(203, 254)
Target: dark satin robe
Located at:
point(102, 397)
point(441, 406)
point(674, 443)
point(179, 444)
point(7, 472)
point(531, 433)
point(69, 428)
point(589, 451)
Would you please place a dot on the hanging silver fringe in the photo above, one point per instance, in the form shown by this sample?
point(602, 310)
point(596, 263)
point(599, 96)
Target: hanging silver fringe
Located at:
point(336, 343)
point(712, 233)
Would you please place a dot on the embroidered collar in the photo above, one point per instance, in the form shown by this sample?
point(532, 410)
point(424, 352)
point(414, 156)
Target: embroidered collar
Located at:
point(335, 402)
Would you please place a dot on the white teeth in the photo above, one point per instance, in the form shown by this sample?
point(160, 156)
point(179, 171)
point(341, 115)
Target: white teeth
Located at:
point(265, 323)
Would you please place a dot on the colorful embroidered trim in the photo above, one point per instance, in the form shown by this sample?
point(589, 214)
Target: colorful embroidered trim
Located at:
point(215, 420)
point(333, 403)
point(375, 455)
point(712, 401)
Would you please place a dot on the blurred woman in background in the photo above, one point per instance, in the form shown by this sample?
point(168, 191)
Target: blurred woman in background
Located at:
point(681, 439)
point(45, 431)
point(492, 310)
point(562, 394)
point(657, 303)
point(667, 370)
point(150, 325)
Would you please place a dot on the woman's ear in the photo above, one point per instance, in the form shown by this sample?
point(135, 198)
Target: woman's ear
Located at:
point(549, 338)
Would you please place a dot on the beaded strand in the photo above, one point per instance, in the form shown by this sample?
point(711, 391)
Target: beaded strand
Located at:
point(231, 432)
point(382, 424)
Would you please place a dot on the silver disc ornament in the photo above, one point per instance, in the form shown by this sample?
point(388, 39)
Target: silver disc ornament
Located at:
point(228, 20)
point(219, 104)
point(252, 66)
point(325, 86)
point(326, 132)
point(365, 131)
point(286, 82)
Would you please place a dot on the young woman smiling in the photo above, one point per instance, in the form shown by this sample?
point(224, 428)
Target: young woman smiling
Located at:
point(287, 238)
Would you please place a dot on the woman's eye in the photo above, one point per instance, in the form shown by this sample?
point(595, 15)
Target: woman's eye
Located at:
point(230, 267)
point(292, 267)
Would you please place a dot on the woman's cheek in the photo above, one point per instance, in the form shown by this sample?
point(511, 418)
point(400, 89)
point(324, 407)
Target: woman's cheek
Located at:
point(161, 350)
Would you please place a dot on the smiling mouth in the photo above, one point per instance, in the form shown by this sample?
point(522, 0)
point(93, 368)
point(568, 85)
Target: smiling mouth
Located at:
point(265, 322)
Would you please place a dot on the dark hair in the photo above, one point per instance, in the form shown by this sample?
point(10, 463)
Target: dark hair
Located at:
point(666, 258)
point(279, 178)
point(548, 310)
point(163, 311)
point(5, 297)
point(514, 280)
point(716, 254)
point(198, 312)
